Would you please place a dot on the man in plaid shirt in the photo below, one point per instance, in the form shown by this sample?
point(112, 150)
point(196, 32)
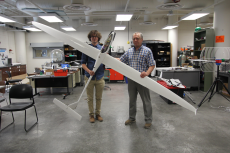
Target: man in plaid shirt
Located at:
point(141, 59)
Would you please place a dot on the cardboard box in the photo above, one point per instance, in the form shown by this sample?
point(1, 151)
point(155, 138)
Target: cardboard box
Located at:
point(224, 91)
point(226, 85)
point(202, 46)
point(49, 72)
point(185, 64)
point(22, 77)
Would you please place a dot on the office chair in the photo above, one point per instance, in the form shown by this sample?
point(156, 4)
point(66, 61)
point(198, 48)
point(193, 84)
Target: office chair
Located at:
point(10, 80)
point(107, 77)
point(20, 91)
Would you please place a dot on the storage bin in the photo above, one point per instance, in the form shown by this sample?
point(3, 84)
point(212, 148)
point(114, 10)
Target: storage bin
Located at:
point(60, 72)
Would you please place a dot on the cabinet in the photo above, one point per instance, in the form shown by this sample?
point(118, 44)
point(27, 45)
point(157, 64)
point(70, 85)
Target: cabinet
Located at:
point(15, 70)
point(204, 38)
point(161, 53)
point(115, 76)
point(71, 54)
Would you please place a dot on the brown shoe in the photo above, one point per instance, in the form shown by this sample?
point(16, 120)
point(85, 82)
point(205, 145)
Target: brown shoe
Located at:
point(99, 118)
point(128, 122)
point(147, 125)
point(91, 118)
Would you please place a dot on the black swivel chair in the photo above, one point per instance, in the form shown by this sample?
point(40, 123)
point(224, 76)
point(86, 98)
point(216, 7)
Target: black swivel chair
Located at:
point(20, 91)
point(10, 80)
point(107, 77)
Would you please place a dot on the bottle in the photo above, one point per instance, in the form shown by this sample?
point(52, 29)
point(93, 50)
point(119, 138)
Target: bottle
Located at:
point(183, 58)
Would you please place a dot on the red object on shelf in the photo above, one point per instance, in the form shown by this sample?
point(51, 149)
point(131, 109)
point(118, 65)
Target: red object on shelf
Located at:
point(166, 86)
point(60, 72)
point(114, 75)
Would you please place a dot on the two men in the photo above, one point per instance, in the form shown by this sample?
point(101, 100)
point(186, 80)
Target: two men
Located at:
point(138, 57)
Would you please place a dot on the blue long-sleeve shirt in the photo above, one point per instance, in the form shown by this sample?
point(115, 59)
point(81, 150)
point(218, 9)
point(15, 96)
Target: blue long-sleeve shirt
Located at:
point(90, 64)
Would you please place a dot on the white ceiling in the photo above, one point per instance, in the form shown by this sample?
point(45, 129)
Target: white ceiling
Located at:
point(102, 9)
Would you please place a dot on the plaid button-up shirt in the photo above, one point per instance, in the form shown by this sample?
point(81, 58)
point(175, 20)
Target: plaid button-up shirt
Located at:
point(140, 59)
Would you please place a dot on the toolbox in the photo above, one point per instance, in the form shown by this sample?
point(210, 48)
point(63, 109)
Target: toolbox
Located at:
point(60, 72)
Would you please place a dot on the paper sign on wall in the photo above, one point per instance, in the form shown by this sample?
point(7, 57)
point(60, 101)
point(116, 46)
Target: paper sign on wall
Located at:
point(220, 39)
point(3, 57)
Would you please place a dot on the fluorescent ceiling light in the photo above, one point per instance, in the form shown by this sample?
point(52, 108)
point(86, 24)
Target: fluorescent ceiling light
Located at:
point(124, 17)
point(68, 28)
point(4, 18)
point(51, 17)
point(194, 15)
point(30, 28)
point(169, 27)
point(119, 27)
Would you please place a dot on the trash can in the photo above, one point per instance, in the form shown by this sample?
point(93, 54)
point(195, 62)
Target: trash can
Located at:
point(126, 80)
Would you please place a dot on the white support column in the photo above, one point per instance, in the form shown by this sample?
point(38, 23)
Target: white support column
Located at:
point(222, 22)
point(20, 47)
point(173, 38)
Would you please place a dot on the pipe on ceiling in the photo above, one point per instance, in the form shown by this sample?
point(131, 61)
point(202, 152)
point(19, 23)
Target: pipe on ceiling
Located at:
point(88, 18)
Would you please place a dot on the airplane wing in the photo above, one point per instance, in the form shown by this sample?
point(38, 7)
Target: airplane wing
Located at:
point(146, 81)
point(116, 65)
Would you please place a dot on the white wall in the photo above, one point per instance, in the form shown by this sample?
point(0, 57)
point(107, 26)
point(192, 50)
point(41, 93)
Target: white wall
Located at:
point(186, 33)
point(7, 41)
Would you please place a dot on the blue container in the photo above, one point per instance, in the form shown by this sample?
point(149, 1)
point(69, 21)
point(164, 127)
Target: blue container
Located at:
point(65, 65)
point(126, 80)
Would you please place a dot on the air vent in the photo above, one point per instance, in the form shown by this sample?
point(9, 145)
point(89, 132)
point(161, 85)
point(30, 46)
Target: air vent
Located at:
point(147, 23)
point(169, 6)
point(204, 24)
point(89, 24)
point(76, 7)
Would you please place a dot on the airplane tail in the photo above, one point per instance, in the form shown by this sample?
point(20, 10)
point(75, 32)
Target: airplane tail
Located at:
point(67, 109)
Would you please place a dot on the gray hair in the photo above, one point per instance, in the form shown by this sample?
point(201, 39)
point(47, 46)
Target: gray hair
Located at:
point(139, 33)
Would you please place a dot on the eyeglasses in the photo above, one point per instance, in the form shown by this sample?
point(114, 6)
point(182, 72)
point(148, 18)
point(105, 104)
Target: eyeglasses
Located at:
point(136, 39)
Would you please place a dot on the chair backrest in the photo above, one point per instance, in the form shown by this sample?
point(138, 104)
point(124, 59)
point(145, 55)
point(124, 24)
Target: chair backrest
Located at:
point(8, 73)
point(21, 91)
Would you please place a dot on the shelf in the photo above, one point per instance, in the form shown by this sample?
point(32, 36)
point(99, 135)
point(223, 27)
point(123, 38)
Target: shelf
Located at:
point(164, 61)
point(200, 40)
point(163, 47)
point(204, 30)
point(164, 55)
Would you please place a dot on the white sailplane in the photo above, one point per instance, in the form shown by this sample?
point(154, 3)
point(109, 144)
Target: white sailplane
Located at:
point(106, 59)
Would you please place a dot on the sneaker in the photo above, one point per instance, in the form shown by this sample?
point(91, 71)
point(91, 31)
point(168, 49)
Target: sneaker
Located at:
point(91, 119)
point(147, 125)
point(128, 122)
point(99, 118)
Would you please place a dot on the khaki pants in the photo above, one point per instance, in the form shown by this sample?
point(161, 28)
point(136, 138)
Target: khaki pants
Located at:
point(99, 86)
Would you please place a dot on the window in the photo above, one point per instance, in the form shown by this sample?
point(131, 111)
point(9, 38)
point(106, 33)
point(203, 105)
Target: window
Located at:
point(43, 52)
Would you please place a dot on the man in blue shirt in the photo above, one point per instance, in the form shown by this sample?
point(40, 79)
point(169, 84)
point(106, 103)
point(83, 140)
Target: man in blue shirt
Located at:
point(97, 81)
point(141, 59)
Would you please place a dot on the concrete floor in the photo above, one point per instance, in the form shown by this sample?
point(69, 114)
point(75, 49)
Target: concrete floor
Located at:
point(174, 129)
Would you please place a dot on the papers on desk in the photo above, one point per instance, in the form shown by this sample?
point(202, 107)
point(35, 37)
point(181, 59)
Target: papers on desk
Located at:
point(16, 64)
point(173, 82)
